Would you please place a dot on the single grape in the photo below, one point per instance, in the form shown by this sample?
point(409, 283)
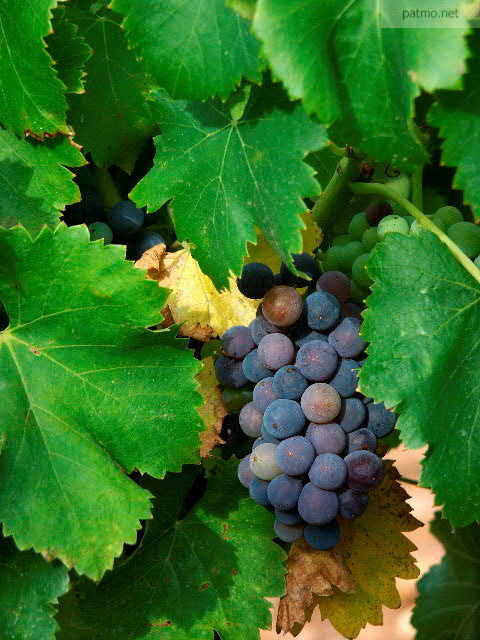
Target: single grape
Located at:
point(389, 224)
point(365, 470)
point(258, 492)
point(263, 462)
point(255, 281)
point(275, 351)
point(125, 218)
point(358, 225)
point(100, 231)
point(266, 437)
point(235, 399)
point(328, 471)
point(322, 537)
point(250, 420)
point(317, 506)
point(351, 253)
point(305, 263)
point(295, 455)
point(317, 360)
point(284, 491)
point(320, 403)
point(361, 440)
point(369, 239)
point(289, 382)
point(230, 372)
point(352, 310)
point(467, 236)
point(283, 418)
point(143, 241)
point(259, 328)
point(448, 216)
point(352, 504)
point(359, 271)
point(289, 517)
point(381, 421)
point(352, 414)
point(376, 211)
point(244, 473)
point(237, 342)
point(282, 306)
point(345, 380)
point(264, 393)
point(288, 533)
point(341, 240)
point(326, 438)
point(334, 259)
point(253, 369)
point(323, 310)
point(305, 335)
point(346, 340)
point(336, 283)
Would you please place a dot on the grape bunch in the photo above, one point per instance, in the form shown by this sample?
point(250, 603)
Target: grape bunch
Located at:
point(313, 458)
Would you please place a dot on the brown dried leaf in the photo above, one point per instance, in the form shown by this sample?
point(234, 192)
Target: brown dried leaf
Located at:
point(212, 411)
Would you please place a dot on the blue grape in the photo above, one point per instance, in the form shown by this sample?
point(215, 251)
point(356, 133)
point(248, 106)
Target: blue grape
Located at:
point(258, 492)
point(346, 338)
point(255, 281)
point(288, 533)
point(308, 335)
point(283, 492)
point(322, 537)
point(244, 473)
point(352, 504)
point(237, 342)
point(282, 306)
point(320, 403)
point(253, 369)
point(336, 283)
point(125, 218)
point(289, 382)
point(250, 419)
point(345, 380)
point(289, 517)
point(142, 242)
point(283, 419)
point(305, 263)
point(295, 455)
point(328, 471)
point(317, 506)
point(317, 360)
point(100, 231)
point(361, 440)
point(260, 327)
point(365, 470)
point(326, 438)
point(264, 394)
point(266, 437)
point(275, 351)
point(380, 420)
point(352, 414)
point(230, 372)
point(323, 310)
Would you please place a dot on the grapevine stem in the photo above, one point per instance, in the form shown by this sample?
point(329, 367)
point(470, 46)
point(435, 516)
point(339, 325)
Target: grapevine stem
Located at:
point(106, 187)
point(375, 188)
point(417, 187)
point(410, 481)
point(336, 195)
point(342, 152)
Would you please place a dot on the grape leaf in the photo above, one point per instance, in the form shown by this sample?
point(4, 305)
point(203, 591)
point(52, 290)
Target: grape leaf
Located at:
point(212, 411)
point(208, 571)
point(87, 394)
point(194, 50)
point(358, 77)
point(424, 361)
point(31, 95)
point(245, 8)
point(449, 600)
point(34, 186)
point(373, 552)
point(69, 51)
point(30, 590)
point(226, 176)
point(111, 119)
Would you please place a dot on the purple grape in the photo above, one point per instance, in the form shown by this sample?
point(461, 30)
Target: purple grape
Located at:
point(326, 438)
point(328, 471)
point(307, 335)
point(317, 360)
point(361, 440)
point(305, 263)
point(266, 437)
point(237, 342)
point(320, 403)
point(346, 338)
point(352, 504)
point(229, 372)
point(283, 492)
point(259, 328)
point(264, 393)
point(317, 506)
point(352, 414)
point(244, 473)
point(282, 306)
point(258, 492)
point(283, 418)
point(253, 368)
point(295, 455)
point(289, 517)
point(255, 281)
point(275, 351)
point(345, 380)
point(125, 219)
point(380, 420)
point(365, 470)
point(323, 310)
point(288, 533)
point(289, 382)
point(250, 419)
point(336, 283)
point(322, 537)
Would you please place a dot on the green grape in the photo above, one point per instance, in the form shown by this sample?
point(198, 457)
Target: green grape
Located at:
point(417, 228)
point(358, 225)
point(351, 251)
point(211, 348)
point(334, 259)
point(100, 230)
point(359, 271)
point(341, 240)
point(476, 262)
point(358, 293)
point(448, 216)
point(370, 238)
point(235, 399)
point(467, 236)
point(392, 224)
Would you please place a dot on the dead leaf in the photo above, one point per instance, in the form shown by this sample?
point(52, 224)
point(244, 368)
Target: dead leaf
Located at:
point(212, 411)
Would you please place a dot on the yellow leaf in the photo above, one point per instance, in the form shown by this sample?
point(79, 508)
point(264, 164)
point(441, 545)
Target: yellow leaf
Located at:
point(212, 411)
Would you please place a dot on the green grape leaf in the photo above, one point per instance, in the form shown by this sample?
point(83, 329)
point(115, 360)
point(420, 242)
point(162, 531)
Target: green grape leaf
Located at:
point(208, 571)
point(31, 96)
point(227, 176)
point(88, 393)
point(30, 590)
point(194, 50)
point(359, 78)
point(111, 119)
point(449, 602)
point(424, 361)
point(34, 181)
point(69, 51)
